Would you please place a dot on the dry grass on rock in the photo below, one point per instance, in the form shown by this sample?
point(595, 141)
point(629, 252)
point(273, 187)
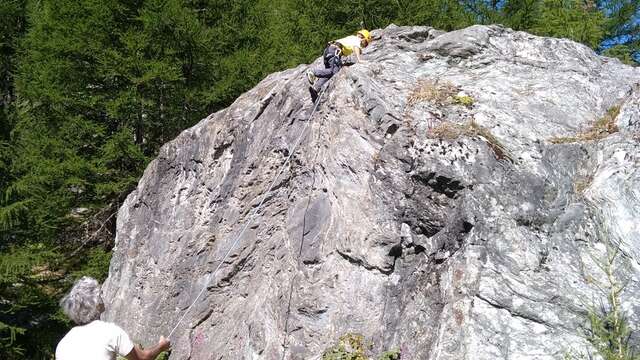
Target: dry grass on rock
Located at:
point(581, 184)
point(604, 127)
point(434, 91)
point(450, 131)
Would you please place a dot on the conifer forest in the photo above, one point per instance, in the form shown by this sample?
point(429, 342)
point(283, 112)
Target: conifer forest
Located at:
point(90, 90)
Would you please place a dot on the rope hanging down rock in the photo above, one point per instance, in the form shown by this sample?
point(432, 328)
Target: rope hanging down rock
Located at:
point(285, 343)
point(251, 217)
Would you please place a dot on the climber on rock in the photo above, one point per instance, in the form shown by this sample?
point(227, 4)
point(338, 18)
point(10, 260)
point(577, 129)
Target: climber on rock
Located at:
point(95, 339)
point(332, 58)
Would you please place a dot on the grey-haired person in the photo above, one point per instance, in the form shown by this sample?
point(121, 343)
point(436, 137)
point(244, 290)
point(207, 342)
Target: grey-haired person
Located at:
point(95, 339)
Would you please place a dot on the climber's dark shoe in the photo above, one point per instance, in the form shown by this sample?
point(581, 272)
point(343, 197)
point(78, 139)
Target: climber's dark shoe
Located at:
point(314, 94)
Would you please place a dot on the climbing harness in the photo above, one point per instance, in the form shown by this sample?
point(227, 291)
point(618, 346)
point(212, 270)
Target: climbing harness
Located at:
point(251, 217)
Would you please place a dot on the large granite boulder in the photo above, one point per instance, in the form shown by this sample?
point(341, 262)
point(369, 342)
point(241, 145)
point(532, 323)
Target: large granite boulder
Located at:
point(454, 196)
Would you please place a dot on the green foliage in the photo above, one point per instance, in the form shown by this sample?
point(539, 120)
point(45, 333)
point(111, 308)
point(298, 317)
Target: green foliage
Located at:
point(90, 90)
point(442, 14)
point(522, 14)
point(622, 29)
point(390, 355)
point(163, 356)
point(12, 26)
point(8, 346)
point(354, 347)
point(27, 283)
point(610, 334)
point(350, 347)
point(608, 328)
point(600, 24)
point(32, 279)
point(609, 331)
point(622, 52)
point(120, 161)
point(464, 100)
point(94, 263)
point(578, 20)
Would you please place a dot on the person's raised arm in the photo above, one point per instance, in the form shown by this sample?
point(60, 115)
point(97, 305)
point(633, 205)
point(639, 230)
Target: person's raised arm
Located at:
point(357, 51)
point(151, 353)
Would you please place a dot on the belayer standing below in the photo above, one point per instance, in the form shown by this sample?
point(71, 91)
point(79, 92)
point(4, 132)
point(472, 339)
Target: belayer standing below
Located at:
point(93, 339)
point(332, 57)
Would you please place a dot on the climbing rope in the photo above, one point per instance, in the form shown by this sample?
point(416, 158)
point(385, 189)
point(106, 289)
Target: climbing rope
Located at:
point(304, 223)
point(252, 215)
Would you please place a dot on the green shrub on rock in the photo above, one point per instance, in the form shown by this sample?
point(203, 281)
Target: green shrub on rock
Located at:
point(354, 347)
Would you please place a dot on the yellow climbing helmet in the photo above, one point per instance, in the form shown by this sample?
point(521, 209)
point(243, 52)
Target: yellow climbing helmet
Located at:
point(365, 35)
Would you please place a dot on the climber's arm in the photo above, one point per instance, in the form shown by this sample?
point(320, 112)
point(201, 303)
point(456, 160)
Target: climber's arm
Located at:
point(358, 52)
point(151, 353)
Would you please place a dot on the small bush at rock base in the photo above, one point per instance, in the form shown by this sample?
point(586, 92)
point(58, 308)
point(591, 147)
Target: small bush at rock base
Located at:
point(354, 347)
point(390, 355)
point(350, 347)
point(608, 330)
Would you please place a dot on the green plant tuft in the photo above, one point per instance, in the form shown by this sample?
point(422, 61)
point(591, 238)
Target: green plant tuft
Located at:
point(350, 347)
point(464, 100)
point(608, 330)
point(354, 347)
point(390, 355)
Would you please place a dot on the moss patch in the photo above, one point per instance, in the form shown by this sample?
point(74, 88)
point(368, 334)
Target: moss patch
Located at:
point(464, 100)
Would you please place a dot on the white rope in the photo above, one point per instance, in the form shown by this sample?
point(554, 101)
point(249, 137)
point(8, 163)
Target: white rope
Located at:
point(304, 217)
point(255, 211)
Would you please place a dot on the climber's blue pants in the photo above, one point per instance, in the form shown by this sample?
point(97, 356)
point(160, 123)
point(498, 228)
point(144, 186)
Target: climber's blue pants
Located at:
point(332, 64)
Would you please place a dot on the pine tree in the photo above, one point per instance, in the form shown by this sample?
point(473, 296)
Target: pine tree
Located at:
point(104, 85)
point(578, 20)
point(90, 90)
point(622, 29)
point(100, 86)
point(12, 26)
point(445, 15)
point(609, 26)
point(522, 14)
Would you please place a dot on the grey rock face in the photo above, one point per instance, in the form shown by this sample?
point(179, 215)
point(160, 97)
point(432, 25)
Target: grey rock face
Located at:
point(446, 229)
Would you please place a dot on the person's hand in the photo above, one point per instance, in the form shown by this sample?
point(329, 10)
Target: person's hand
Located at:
point(164, 343)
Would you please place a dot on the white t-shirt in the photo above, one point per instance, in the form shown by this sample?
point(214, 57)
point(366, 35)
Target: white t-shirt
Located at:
point(97, 340)
point(349, 44)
